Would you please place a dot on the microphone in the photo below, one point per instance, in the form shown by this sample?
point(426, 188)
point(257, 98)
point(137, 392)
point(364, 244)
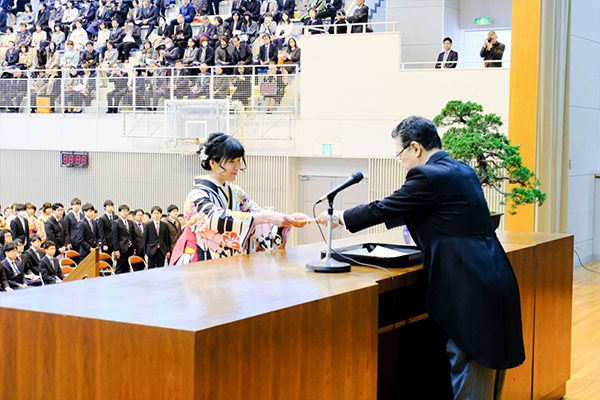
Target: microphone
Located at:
point(354, 178)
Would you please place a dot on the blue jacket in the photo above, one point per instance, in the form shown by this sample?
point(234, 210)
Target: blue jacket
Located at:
point(188, 12)
point(2, 21)
point(472, 291)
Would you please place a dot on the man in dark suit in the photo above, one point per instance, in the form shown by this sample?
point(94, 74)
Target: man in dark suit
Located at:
point(49, 265)
point(472, 291)
point(267, 52)
point(56, 228)
point(360, 15)
point(87, 13)
point(209, 30)
point(156, 240)
point(447, 55)
point(43, 17)
point(182, 32)
point(181, 81)
point(174, 226)
point(331, 8)
point(149, 17)
point(3, 279)
point(122, 233)
point(31, 257)
point(105, 230)
point(241, 53)
point(13, 268)
point(72, 220)
point(492, 50)
point(87, 232)
point(287, 6)
point(138, 237)
point(20, 226)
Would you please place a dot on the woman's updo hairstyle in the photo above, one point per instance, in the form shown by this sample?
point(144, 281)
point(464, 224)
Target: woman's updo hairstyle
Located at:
point(221, 148)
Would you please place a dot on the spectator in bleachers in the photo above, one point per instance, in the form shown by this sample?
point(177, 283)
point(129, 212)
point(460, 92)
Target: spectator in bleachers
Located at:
point(220, 84)
point(56, 15)
point(131, 40)
point(249, 28)
point(312, 20)
point(222, 27)
point(103, 36)
point(70, 57)
point(223, 55)
point(38, 37)
point(269, 6)
point(9, 37)
point(190, 54)
point(200, 6)
point(288, 6)
point(87, 232)
point(79, 36)
point(18, 90)
point(117, 34)
point(181, 81)
point(114, 97)
point(243, 85)
point(237, 6)
point(13, 268)
point(3, 21)
point(139, 87)
point(72, 82)
point(38, 88)
point(156, 82)
point(360, 15)
point(268, 51)
point(149, 17)
point(136, 14)
point(253, 7)
point(235, 25)
point(205, 55)
point(43, 17)
point(53, 88)
point(171, 53)
point(51, 56)
point(181, 33)
point(103, 13)
point(120, 10)
point(213, 7)
point(187, 11)
point(90, 56)
point(317, 5)
point(15, 7)
point(28, 16)
point(202, 85)
point(25, 58)
point(447, 55)
point(331, 8)
point(23, 36)
point(341, 24)
point(49, 265)
point(242, 55)
point(70, 15)
point(88, 93)
point(147, 55)
point(87, 13)
point(58, 37)
point(492, 50)
point(284, 31)
point(208, 30)
point(268, 26)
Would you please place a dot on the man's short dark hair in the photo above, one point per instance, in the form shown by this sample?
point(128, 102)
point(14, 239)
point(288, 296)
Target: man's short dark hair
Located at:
point(156, 208)
point(172, 207)
point(447, 39)
point(75, 201)
point(18, 242)
point(49, 243)
point(56, 206)
point(87, 206)
point(420, 130)
point(108, 203)
point(10, 247)
point(20, 207)
point(137, 211)
point(123, 207)
point(147, 214)
point(34, 238)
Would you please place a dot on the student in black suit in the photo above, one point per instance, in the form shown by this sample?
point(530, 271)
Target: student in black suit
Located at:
point(72, 221)
point(447, 55)
point(20, 226)
point(87, 232)
point(138, 237)
point(5, 238)
point(174, 225)
point(56, 229)
point(268, 51)
point(4, 286)
point(122, 233)
point(13, 268)
point(49, 265)
point(472, 291)
point(30, 259)
point(361, 14)
point(156, 240)
point(105, 231)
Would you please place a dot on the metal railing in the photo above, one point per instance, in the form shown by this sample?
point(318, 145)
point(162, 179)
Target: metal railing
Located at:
point(455, 64)
point(347, 28)
point(114, 90)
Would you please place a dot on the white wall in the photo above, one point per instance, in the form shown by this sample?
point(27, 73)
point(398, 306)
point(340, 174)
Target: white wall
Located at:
point(500, 11)
point(584, 126)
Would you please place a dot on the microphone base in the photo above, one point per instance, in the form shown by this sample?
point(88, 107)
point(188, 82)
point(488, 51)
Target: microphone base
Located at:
point(328, 265)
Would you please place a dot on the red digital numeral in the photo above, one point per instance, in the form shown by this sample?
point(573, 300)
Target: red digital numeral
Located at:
point(83, 160)
point(71, 159)
point(65, 158)
point(77, 159)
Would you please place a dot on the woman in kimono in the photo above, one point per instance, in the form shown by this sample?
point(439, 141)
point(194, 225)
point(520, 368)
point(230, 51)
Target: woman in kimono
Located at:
point(221, 219)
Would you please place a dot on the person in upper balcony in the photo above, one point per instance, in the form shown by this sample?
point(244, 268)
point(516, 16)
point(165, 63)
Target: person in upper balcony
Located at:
point(492, 50)
point(331, 9)
point(360, 15)
point(341, 24)
point(447, 55)
point(318, 5)
point(313, 20)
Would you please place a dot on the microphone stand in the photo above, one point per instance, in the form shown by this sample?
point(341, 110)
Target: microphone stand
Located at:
point(328, 264)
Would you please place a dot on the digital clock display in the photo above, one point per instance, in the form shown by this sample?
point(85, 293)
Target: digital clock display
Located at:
point(74, 159)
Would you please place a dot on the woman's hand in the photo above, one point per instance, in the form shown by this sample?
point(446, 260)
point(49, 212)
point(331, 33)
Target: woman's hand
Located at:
point(300, 217)
point(275, 218)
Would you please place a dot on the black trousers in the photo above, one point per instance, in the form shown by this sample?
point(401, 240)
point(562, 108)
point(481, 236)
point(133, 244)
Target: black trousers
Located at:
point(123, 262)
point(157, 260)
point(124, 49)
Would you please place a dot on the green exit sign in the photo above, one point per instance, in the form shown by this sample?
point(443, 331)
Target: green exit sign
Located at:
point(483, 21)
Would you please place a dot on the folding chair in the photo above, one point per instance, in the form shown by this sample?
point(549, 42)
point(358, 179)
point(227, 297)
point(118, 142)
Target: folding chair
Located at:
point(104, 267)
point(71, 254)
point(66, 270)
point(103, 258)
point(136, 260)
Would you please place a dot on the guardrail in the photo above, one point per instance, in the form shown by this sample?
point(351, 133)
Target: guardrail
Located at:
point(145, 89)
point(455, 64)
point(347, 28)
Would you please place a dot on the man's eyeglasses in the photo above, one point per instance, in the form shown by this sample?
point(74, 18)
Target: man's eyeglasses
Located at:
point(398, 157)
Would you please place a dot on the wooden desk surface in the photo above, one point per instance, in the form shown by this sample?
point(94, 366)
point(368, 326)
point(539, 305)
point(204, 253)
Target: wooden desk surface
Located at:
point(203, 295)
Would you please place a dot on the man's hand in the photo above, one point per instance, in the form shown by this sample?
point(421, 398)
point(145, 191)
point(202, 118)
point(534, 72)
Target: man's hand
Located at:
point(9, 289)
point(117, 254)
point(62, 250)
point(298, 217)
point(105, 248)
point(322, 219)
point(24, 286)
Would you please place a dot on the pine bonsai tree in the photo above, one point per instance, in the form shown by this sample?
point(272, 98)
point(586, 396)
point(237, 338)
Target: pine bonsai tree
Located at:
point(474, 137)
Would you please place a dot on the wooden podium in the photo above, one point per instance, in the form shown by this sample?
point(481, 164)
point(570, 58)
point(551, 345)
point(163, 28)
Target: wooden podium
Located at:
point(264, 327)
